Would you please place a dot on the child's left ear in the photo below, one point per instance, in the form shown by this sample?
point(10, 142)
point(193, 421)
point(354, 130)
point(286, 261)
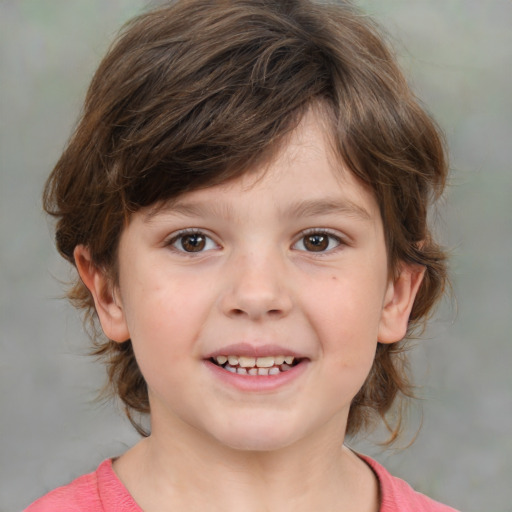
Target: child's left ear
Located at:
point(398, 303)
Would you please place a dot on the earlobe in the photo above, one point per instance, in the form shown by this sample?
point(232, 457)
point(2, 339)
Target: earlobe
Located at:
point(398, 303)
point(108, 307)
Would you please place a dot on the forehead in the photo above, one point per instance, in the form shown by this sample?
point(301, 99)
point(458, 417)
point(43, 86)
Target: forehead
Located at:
point(304, 176)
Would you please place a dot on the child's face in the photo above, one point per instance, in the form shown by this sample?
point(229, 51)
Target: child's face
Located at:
point(287, 263)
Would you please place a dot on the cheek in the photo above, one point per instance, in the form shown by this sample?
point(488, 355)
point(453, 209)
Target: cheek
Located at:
point(346, 310)
point(346, 325)
point(165, 318)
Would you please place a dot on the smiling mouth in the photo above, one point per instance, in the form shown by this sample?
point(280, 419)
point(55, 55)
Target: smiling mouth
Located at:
point(269, 365)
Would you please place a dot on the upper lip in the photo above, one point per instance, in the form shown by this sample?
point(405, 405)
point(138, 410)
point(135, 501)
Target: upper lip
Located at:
point(250, 350)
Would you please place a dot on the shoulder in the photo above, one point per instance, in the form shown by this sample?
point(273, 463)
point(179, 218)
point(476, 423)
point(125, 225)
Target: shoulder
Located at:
point(81, 494)
point(398, 496)
point(99, 491)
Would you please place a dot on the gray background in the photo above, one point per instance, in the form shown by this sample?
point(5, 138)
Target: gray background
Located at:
point(458, 54)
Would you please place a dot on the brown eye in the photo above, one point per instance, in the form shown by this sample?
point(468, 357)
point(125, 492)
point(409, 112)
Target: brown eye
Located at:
point(316, 243)
point(192, 242)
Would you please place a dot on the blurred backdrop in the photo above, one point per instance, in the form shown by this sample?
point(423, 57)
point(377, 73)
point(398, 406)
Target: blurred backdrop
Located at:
point(458, 55)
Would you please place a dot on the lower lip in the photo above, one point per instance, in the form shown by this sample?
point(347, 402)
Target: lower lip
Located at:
point(255, 383)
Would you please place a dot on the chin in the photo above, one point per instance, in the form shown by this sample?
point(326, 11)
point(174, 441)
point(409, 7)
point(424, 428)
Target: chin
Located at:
point(257, 437)
point(256, 444)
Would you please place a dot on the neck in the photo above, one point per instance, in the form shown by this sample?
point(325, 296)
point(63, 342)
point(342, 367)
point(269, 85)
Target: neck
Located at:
point(186, 470)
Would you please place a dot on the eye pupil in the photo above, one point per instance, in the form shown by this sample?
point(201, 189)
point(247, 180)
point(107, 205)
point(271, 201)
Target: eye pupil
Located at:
point(316, 243)
point(193, 243)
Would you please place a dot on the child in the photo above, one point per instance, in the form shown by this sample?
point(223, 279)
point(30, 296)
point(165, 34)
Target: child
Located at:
point(245, 200)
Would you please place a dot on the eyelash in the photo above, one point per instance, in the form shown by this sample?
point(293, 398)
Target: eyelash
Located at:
point(181, 235)
point(339, 241)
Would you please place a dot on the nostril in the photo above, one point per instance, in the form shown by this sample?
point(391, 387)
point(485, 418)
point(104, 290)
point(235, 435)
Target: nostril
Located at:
point(240, 312)
point(254, 304)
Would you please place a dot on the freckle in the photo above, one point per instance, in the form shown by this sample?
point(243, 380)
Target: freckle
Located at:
point(334, 278)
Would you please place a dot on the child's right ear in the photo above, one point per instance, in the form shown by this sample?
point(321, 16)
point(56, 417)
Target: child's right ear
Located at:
point(108, 306)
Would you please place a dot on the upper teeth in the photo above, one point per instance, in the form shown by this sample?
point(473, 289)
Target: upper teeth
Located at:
point(251, 362)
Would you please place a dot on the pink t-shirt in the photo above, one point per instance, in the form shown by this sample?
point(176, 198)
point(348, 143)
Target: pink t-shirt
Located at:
point(396, 495)
point(102, 491)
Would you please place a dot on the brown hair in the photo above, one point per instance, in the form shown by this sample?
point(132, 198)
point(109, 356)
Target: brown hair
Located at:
point(192, 94)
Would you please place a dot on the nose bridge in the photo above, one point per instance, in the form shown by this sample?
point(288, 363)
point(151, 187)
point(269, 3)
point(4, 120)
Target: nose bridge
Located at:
point(258, 285)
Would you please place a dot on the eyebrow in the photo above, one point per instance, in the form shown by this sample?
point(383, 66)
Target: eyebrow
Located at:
point(299, 209)
point(313, 207)
point(190, 209)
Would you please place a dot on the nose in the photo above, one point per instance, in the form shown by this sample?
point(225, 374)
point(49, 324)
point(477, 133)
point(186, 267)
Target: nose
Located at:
point(257, 288)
